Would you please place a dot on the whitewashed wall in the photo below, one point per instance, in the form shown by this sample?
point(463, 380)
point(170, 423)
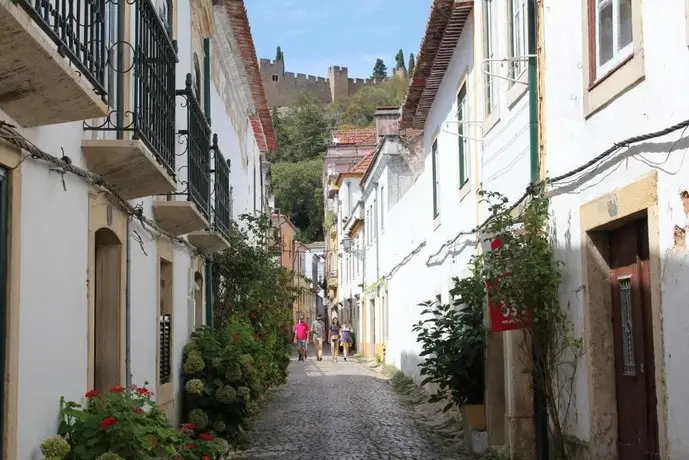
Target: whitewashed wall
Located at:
point(572, 140)
point(409, 220)
point(53, 329)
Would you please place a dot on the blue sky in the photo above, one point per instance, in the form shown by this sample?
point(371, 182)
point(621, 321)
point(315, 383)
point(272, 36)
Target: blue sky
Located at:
point(315, 34)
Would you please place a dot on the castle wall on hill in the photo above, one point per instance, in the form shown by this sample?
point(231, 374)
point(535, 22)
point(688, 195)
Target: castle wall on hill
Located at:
point(281, 87)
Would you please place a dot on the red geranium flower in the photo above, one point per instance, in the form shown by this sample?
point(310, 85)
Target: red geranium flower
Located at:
point(92, 393)
point(206, 436)
point(252, 315)
point(108, 422)
point(117, 389)
point(144, 391)
point(191, 446)
point(138, 410)
point(205, 457)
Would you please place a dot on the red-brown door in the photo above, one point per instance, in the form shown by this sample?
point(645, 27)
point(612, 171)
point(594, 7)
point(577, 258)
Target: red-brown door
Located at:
point(634, 366)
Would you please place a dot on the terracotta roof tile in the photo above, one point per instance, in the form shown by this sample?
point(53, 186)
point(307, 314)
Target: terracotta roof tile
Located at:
point(361, 136)
point(239, 21)
point(258, 134)
point(443, 29)
point(363, 164)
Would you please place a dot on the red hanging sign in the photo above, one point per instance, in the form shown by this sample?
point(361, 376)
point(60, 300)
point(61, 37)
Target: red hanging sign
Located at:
point(502, 318)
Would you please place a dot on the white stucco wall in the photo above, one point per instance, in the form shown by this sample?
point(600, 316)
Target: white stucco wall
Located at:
point(53, 313)
point(572, 140)
point(409, 218)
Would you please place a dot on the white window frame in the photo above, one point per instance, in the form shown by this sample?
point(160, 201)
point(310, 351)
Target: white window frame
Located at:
point(620, 55)
point(518, 38)
point(491, 40)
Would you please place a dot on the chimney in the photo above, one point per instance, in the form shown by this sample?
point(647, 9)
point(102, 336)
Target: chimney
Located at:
point(387, 121)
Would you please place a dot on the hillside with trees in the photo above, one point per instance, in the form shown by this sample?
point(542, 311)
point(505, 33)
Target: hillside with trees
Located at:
point(303, 131)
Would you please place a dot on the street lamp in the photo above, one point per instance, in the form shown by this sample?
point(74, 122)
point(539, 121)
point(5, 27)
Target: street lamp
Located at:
point(347, 244)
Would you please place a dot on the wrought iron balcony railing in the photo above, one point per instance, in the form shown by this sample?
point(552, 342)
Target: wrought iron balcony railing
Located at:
point(78, 29)
point(149, 111)
point(198, 137)
point(221, 189)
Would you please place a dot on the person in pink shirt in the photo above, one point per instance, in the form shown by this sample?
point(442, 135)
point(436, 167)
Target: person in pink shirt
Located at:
point(301, 336)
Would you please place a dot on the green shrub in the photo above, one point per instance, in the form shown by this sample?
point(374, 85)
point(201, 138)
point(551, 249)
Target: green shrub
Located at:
point(55, 448)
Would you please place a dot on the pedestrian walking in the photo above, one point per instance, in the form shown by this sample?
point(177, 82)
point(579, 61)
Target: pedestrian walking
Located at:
point(301, 336)
point(346, 339)
point(317, 333)
point(334, 338)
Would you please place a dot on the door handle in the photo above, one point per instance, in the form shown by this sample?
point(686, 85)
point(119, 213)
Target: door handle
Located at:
point(643, 368)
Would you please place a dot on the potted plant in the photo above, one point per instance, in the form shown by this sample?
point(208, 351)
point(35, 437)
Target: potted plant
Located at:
point(453, 339)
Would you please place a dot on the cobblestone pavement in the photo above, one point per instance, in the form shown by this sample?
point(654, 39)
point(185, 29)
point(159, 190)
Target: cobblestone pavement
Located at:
point(337, 411)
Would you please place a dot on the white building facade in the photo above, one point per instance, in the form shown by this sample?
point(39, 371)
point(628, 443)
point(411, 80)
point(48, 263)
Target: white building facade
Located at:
point(620, 224)
point(100, 270)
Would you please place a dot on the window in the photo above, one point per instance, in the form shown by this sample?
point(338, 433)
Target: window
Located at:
point(434, 178)
point(276, 77)
point(165, 324)
point(519, 38)
point(382, 209)
point(462, 140)
point(491, 54)
point(613, 33)
point(375, 219)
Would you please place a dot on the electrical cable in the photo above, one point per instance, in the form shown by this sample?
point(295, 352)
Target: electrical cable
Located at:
point(606, 153)
point(64, 165)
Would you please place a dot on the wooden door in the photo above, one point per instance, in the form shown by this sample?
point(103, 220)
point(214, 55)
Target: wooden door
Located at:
point(631, 319)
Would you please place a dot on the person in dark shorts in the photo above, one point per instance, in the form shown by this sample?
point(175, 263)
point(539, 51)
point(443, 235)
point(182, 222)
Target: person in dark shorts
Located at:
point(334, 332)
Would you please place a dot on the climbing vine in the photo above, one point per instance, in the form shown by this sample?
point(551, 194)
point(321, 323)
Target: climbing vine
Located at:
point(524, 276)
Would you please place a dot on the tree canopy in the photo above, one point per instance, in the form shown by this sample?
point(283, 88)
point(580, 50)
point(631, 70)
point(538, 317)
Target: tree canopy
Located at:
point(380, 71)
point(358, 109)
point(278, 55)
point(298, 194)
point(302, 131)
point(412, 63)
point(399, 60)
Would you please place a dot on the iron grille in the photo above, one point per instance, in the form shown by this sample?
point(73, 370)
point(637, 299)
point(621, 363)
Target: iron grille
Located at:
point(198, 134)
point(629, 364)
point(221, 186)
point(165, 363)
point(151, 117)
point(78, 29)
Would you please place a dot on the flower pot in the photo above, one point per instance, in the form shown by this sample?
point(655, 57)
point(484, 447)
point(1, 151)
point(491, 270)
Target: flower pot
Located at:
point(474, 416)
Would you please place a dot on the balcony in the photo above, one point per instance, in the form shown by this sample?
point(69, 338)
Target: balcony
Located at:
point(192, 212)
point(52, 60)
point(214, 238)
point(133, 147)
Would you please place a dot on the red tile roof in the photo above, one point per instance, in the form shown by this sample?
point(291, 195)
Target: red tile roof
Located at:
point(363, 164)
point(360, 136)
point(444, 27)
point(239, 21)
point(258, 134)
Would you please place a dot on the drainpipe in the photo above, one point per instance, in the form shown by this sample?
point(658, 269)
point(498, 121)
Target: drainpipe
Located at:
point(360, 346)
point(539, 399)
point(127, 312)
point(208, 287)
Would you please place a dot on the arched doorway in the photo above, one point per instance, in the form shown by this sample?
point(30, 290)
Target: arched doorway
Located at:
point(107, 310)
point(198, 300)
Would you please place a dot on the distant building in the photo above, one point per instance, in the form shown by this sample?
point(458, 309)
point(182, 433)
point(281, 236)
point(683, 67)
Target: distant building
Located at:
point(281, 86)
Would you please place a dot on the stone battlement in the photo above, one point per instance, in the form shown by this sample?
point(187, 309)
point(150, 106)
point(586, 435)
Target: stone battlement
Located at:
point(282, 86)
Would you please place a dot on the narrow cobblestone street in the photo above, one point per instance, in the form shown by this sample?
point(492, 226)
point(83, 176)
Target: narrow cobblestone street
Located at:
point(337, 410)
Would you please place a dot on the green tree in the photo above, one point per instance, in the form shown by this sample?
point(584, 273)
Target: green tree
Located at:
point(399, 60)
point(380, 71)
point(279, 56)
point(297, 187)
point(303, 130)
point(358, 110)
point(412, 63)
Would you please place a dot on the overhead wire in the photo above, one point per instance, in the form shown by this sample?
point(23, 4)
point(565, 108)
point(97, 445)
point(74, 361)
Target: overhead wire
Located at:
point(64, 165)
point(606, 153)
